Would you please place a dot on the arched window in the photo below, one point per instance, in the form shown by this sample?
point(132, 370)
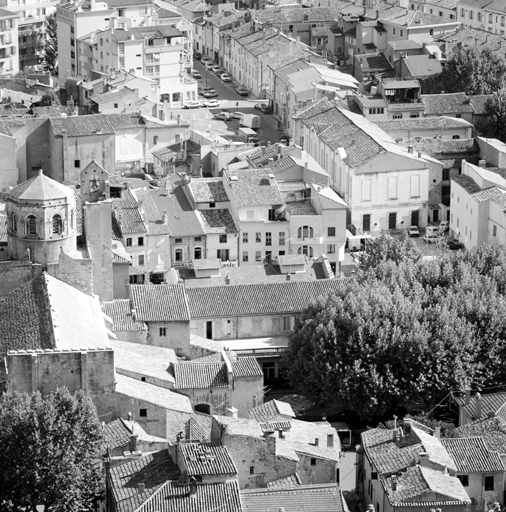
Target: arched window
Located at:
point(307, 250)
point(31, 225)
point(197, 253)
point(57, 225)
point(305, 232)
point(14, 223)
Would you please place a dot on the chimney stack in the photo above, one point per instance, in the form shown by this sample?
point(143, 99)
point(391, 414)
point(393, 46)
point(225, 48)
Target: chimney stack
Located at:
point(281, 434)
point(271, 162)
point(288, 276)
point(410, 149)
point(437, 432)
point(316, 441)
point(482, 163)
point(165, 217)
point(477, 405)
point(130, 416)
point(227, 279)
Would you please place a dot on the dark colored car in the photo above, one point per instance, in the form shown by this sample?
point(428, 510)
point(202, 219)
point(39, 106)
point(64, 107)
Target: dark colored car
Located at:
point(454, 245)
point(264, 108)
point(197, 55)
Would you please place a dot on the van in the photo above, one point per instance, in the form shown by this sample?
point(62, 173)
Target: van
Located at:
point(432, 230)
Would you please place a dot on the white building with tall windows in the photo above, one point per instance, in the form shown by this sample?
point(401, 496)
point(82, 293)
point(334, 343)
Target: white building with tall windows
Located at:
point(9, 45)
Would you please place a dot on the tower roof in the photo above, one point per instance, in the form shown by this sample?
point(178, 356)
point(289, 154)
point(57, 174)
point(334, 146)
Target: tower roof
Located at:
point(40, 188)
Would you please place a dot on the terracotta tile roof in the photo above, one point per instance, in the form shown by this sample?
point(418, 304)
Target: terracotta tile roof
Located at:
point(270, 410)
point(424, 123)
point(492, 430)
point(257, 299)
point(123, 121)
point(208, 190)
point(218, 221)
point(119, 311)
point(422, 66)
point(40, 188)
point(77, 126)
point(246, 367)
point(467, 183)
point(252, 187)
point(329, 200)
point(479, 103)
point(260, 157)
point(273, 426)
point(117, 435)
point(471, 455)
point(195, 431)
point(450, 103)
point(491, 402)
point(190, 375)
point(438, 147)
point(396, 458)
point(488, 193)
point(116, 258)
point(207, 459)
point(160, 303)
point(417, 481)
point(128, 217)
point(307, 498)
point(281, 483)
point(199, 341)
point(294, 15)
point(222, 497)
point(114, 96)
point(152, 470)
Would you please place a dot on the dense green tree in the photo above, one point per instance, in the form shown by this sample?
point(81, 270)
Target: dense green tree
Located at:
point(51, 452)
point(48, 99)
point(50, 55)
point(495, 126)
point(469, 70)
point(406, 332)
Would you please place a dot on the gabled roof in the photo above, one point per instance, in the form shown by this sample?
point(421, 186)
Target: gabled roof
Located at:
point(471, 455)
point(208, 190)
point(117, 434)
point(207, 459)
point(307, 498)
point(46, 313)
point(257, 299)
point(191, 375)
point(271, 409)
point(281, 483)
point(160, 303)
point(416, 481)
point(491, 402)
point(119, 311)
point(127, 214)
point(252, 187)
point(492, 430)
point(40, 188)
point(153, 470)
point(423, 123)
point(170, 497)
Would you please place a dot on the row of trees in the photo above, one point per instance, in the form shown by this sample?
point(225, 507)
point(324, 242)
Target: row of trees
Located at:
point(407, 331)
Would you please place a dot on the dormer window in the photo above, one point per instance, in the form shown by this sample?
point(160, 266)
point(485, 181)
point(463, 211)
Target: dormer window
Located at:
point(57, 225)
point(31, 225)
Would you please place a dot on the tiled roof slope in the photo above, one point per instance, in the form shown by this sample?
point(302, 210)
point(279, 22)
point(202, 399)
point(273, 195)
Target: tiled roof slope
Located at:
point(471, 455)
point(423, 123)
point(281, 483)
point(45, 313)
point(222, 497)
point(160, 303)
point(449, 103)
point(206, 459)
point(256, 299)
point(127, 214)
point(208, 190)
point(492, 430)
point(119, 311)
point(492, 402)
point(40, 188)
point(246, 367)
point(270, 410)
point(252, 187)
point(117, 434)
point(152, 470)
point(76, 126)
point(417, 481)
point(190, 375)
point(218, 221)
point(307, 498)
point(467, 183)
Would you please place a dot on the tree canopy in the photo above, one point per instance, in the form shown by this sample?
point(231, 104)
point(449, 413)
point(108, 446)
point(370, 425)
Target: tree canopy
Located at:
point(495, 125)
point(405, 332)
point(469, 70)
point(50, 53)
point(51, 452)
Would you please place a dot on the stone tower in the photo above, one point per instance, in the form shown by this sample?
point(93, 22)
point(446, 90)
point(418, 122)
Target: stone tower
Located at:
point(42, 218)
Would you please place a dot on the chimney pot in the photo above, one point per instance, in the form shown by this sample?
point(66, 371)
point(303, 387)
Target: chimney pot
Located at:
point(129, 416)
point(477, 405)
point(288, 276)
point(410, 149)
point(482, 163)
point(316, 441)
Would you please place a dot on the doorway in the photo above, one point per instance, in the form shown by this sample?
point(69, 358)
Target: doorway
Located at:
point(435, 216)
point(415, 216)
point(392, 220)
point(203, 408)
point(209, 330)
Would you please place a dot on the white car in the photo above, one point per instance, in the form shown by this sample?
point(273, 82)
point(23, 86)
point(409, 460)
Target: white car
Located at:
point(211, 104)
point(225, 78)
point(444, 226)
point(236, 115)
point(193, 104)
point(432, 238)
point(414, 231)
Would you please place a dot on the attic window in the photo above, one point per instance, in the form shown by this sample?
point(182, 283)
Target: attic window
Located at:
point(374, 475)
point(178, 240)
point(143, 413)
point(313, 462)
point(77, 163)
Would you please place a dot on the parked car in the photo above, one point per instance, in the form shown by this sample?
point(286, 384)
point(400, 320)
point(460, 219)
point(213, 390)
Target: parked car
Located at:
point(414, 231)
point(215, 68)
point(444, 226)
point(222, 116)
point(211, 103)
point(236, 115)
point(196, 74)
point(263, 108)
point(209, 64)
point(210, 94)
point(242, 91)
point(432, 230)
point(454, 245)
point(225, 78)
point(193, 104)
point(432, 238)
point(197, 55)
point(205, 58)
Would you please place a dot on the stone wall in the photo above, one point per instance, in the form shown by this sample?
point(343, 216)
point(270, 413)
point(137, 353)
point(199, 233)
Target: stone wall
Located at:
point(76, 272)
point(16, 273)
